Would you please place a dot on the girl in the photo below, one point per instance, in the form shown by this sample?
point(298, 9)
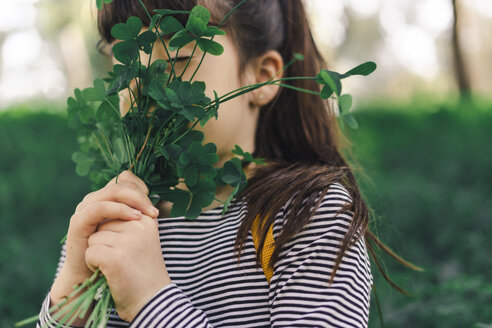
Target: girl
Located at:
point(172, 272)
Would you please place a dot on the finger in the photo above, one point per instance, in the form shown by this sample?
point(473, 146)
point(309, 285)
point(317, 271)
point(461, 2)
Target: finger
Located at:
point(106, 238)
point(147, 220)
point(87, 220)
point(97, 257)
point(119, 225)
point(95, 196)
point(123, 194)
point(128, 176)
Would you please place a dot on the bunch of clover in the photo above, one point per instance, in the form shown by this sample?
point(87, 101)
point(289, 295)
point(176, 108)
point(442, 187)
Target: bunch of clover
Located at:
point(160, 146)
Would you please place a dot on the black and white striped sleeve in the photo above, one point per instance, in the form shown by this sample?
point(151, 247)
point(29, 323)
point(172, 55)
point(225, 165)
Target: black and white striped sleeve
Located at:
point(300, 295)
point(45, 320)
point(170, 307)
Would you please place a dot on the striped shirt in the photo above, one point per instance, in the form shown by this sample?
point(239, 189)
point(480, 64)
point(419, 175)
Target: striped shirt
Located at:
point(210, 289)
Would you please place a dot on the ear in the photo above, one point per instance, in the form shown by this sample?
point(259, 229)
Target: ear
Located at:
point(267, 66)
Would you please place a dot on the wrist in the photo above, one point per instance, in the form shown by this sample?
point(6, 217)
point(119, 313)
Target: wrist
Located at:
point(64, 284)
point(145, 298)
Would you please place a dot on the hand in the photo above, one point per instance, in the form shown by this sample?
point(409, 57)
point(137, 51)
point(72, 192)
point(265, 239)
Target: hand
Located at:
point(125, 200)
point(129, 255)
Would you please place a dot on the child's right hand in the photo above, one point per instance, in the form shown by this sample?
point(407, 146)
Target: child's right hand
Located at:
point(125, 200)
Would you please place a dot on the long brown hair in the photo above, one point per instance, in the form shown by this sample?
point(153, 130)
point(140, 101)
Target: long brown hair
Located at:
point(297, 133)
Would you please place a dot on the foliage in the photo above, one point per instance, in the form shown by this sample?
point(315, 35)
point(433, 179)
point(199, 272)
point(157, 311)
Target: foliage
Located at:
point(430, 181)
point(39, 190)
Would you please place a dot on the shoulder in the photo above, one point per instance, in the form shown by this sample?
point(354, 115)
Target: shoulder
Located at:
point(321, 236)
point(328, 216)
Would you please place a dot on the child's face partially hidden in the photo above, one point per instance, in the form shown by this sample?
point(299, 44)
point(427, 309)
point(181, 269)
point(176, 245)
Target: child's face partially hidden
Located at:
point(237, 118)
point(236, 122)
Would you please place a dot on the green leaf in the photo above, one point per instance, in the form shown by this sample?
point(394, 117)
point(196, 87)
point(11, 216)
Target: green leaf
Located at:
point(298, 56)
point(126, 51)
point(201, 13)
point(158, 68)
point(203, 193)
point(190, 175)
point(212, 31)
point(197, 161)
point(107, 113)
point(350, 120)
point(180, 199)
point(156, 91)
point(345, 103)
point(212, 111)
point(331, 79)
point(196, 26)
point(128, 30)
point(208, 158)
point(210, 46)
point(97, 93)
point(171, 151)
point(145, 41)
point(326, 92)
point(169, 24)
point(84, 163)
point(154, 21)
point(99, 4)
point(180, 39)
point(238, 150)
point(233, 172)
point(172, 96)
point(363, 69)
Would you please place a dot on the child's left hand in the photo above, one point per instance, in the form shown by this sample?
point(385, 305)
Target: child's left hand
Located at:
point(129, 255)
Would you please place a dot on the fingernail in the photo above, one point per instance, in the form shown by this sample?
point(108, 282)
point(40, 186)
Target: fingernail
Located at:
point(154, 210)
point(136, 213)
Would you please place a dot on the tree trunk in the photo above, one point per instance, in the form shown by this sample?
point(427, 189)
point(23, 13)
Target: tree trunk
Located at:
point(461, 74)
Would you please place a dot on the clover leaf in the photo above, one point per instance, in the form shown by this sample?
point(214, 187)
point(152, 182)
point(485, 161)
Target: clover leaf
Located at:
point(344, 103)
point(99, 3)
point(331, 82)
point(212, 47)
point(97, 93)
point(362, 69)
point(83, 161)
point(232, 172)
point(128, 30)
point(203, 194)
point(197, 161)
point(181, 97)
point(169, 24)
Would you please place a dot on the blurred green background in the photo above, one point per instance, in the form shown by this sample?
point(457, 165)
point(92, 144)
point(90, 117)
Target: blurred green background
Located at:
point(422, 151)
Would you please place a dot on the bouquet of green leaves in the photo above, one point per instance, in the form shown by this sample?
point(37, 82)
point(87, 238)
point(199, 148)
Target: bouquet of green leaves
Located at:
point(159, 146)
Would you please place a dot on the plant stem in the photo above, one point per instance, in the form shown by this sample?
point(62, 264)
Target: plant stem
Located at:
point(101, 149)
point(143, 146)
point(189, 60)
point(252, 87)
point(146, 11)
